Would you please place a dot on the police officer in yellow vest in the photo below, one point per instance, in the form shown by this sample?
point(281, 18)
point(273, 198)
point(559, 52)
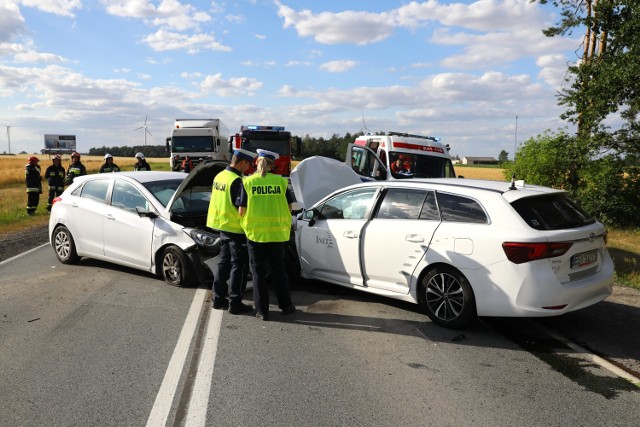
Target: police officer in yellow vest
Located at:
point(265, 208)
point(223, 216)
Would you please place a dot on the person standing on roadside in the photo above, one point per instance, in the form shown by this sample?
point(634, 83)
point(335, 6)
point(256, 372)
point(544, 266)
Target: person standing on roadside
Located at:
point(265, 208)
point(187, 164)
point(223, 216)
point(34, 184)
point(55, 178)
point(76, 168)
point(108, 165)
point(141, 164)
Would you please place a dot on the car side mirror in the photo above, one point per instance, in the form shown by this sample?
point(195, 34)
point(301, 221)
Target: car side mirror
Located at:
point(311, 216)
point(142, 213)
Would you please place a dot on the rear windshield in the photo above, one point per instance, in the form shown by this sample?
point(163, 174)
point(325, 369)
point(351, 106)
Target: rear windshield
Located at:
point(551, 212)
point(163, 190)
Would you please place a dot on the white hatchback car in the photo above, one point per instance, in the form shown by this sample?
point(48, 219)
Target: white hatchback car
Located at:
point(152, 221)
point(460, 248)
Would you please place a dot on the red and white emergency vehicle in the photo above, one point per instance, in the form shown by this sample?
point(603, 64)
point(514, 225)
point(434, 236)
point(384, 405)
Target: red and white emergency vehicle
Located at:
point(397, 155)
point(272, 138)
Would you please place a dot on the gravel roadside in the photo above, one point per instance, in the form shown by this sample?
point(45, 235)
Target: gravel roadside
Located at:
point(16, 242)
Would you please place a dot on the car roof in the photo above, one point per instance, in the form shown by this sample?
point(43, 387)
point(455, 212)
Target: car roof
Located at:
point(140, 176)
point(510, 191)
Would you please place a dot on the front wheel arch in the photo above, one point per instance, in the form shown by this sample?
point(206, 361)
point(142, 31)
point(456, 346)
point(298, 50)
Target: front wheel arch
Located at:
point(446, 296)
point(174, 266)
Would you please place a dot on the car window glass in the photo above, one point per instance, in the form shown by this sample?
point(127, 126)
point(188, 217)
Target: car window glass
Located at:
point(401, 203)
point(163, 190)
point(430, 208)
point(96, 190)
point(456, 208)
point(351, 205)
point(551, 212)
point(127, 197)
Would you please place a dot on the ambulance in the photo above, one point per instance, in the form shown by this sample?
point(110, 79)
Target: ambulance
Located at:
point(397, 155)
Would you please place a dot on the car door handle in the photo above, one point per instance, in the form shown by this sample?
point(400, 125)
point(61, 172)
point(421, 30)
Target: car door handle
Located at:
point(75, 205)
point(350, 235)
point(416, 238)
point(109, 216)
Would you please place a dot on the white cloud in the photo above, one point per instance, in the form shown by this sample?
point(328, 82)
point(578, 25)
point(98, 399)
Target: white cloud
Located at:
point(57, 7)
point(338, 66)
point(298, 63)
point(163, 40)
point(235, 86)
point(11, 21)
point(332, 28)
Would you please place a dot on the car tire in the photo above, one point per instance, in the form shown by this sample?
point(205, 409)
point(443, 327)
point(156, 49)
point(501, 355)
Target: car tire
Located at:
point(175, 267)
point(64, 246)
point(447, 297)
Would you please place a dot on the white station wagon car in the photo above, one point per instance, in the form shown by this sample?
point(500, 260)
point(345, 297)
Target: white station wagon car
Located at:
point(152, 221)
point(460, 248)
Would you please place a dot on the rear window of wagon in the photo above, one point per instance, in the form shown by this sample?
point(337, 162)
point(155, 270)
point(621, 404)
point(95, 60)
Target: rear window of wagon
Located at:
point(551, 212)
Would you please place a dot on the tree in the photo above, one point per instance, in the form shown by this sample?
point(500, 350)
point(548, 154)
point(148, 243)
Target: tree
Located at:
point(605, 85)
point(503, 157)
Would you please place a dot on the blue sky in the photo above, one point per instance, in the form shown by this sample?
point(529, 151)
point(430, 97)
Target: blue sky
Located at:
point(460, 70)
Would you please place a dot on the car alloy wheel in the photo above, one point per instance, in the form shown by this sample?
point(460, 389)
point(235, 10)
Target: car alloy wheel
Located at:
point(64, 246)
point(175, 267)
point(448, 297)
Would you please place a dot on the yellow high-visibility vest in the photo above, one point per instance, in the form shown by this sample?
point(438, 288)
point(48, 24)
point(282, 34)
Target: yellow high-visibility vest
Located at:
point(222, 214)
point(267, 218)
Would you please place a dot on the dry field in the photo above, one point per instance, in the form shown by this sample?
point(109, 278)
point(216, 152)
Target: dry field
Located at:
point(12, 167)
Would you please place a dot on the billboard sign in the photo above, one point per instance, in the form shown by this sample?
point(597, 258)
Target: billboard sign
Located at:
point(59, 143)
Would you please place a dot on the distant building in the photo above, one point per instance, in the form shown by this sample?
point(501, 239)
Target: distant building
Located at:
point(479, 161)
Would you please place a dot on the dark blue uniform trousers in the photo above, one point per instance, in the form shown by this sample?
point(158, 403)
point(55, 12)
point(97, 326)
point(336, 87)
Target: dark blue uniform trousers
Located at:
point(232, 268)
point(268, 258)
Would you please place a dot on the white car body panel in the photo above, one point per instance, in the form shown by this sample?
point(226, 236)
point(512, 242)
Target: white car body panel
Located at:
point(307, 186)
point(394, 254)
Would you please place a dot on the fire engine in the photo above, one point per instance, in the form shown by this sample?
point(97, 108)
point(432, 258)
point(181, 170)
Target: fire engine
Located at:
point(397, 155)
point(272, 138)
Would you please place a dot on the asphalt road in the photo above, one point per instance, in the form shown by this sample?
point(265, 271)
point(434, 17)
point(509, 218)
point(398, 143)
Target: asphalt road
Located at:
point(96, 344)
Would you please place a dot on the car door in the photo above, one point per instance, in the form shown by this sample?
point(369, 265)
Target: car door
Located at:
point(396, 238)
point(85, 216)
point(366, 163)
point(330, 244)
point(127, 236)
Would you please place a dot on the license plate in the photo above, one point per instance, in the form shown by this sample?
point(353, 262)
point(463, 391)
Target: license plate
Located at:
point(584, 258)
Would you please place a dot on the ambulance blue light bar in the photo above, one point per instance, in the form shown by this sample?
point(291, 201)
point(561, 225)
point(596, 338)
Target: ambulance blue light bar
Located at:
point(262, 127)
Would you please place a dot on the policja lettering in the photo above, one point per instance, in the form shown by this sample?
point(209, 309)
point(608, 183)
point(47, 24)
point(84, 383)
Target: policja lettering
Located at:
point(266, 189)
point(219, 186)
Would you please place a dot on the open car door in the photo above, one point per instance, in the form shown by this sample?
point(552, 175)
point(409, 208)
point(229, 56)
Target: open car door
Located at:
point(366, 163)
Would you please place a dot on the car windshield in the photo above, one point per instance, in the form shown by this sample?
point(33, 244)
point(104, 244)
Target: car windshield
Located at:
point(408, 165)
point(279, 144)
point(192, 143)
point(551, 212)
point(163, 190)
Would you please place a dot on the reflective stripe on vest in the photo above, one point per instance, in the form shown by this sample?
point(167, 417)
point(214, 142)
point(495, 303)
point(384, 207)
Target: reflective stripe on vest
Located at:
point(222, 214)
point(267, 218)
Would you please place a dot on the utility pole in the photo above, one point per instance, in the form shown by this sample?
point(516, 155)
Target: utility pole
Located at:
point(515, 141)
point(8, 136)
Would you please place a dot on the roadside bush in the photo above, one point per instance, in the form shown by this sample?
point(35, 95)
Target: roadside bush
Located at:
point(606, 186)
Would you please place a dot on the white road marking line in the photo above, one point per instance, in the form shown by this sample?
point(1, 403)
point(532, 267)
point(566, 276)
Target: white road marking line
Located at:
point(199, 402)
point(164, 399)
point(596, 359)
point(6, 261)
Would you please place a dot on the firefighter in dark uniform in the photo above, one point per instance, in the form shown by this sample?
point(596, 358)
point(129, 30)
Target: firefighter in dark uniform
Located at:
point(141, 164)
point(108, 165)
point(233, 263)
point(34, 184)
point(265, 208)
point(76, 168)
point(55, 178)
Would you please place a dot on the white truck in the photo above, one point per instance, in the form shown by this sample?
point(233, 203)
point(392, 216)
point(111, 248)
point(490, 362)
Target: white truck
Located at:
point(200, 139)
point(397, 155)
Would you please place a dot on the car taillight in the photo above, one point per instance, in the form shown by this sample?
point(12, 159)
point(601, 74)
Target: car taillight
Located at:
point(55, 199)
point(519, 253)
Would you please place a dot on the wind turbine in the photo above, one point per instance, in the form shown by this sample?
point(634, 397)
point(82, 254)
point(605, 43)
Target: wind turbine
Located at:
point(146, 131)
point(8, 136)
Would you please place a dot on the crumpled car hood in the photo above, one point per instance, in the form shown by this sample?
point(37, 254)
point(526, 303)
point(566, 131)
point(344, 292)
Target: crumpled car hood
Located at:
point(316, 177)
